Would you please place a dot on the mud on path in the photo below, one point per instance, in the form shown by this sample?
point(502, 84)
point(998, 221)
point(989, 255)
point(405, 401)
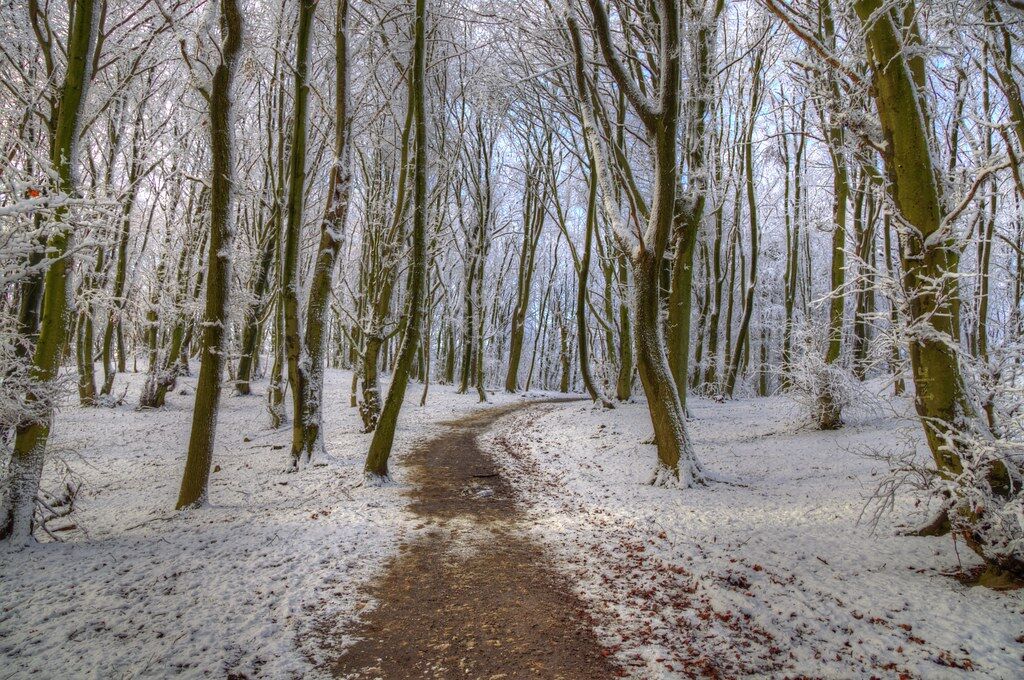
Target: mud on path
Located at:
point(474, 597)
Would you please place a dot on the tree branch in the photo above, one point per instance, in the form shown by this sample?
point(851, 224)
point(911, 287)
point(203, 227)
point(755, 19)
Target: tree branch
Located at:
point(644, 108)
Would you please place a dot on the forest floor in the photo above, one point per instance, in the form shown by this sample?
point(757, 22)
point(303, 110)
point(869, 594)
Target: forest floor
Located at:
point(474, 596)
point(775, 570)
point(518, 539)
point(236, 589)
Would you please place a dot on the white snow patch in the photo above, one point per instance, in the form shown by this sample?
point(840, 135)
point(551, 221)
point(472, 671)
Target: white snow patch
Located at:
point(771, 575)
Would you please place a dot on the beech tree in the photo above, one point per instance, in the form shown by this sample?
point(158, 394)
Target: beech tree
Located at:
point(219, 95)
point(677, 462)
point(945, 402)
point(384, 434)
point(53, 291)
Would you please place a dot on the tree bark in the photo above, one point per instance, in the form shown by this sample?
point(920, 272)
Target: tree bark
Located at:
point(307, 439)
point(384, 434)
point(26, 465)
point(295, 357)
point(112, 328)
point(830, 414)
point(582, 339)
point(748, 161)
point(214, 347)
point(534, 210)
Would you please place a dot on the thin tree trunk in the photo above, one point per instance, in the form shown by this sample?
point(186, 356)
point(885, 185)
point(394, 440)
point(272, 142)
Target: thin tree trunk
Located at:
point(748, 160)
point(624, 380)
point(533, 224)
point(112, 330)
point(690, 208)
point(711, 372)
point(252, 330)
point(214, 348)
point(293, 349)
point(26, 464)
point(307, 438)
point(895, 358)
point(582, 340)
point(859, 338)
point(384, 434)
point(795, 216)
point(830, 414)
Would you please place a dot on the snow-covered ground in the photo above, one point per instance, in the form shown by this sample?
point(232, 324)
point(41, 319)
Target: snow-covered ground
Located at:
point(246, 587)
point(769, 575)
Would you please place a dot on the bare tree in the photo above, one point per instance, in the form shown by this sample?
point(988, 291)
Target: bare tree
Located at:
point(196, 476)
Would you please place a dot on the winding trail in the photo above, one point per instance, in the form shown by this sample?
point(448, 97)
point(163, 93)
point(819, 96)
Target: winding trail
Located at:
point(474, 597)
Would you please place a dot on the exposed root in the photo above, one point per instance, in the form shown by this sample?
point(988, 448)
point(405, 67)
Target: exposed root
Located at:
point(991, 577)
point(938, 526)
point(665, 477)
point(372, 479)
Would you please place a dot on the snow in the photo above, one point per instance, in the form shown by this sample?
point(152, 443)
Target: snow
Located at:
point(765, 572)
point(261, 583)
point(768, 573)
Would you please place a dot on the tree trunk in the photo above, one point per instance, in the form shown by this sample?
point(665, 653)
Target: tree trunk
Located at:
point(677, 462)
point(307, 439)
point(794, 216)
point(582, 339)
point(830, 414)
point(680, 301)
point(251, 332)
point(384, 434)
point(533, 224)
point(277, 385)
point(214, 349)
point(26, 465)
point(748, 160)
point(112, 330)
point(895, 357)
point(296, 361)
point(624, 380)
point(711, 372)
point(690, 208)
point(929, 260)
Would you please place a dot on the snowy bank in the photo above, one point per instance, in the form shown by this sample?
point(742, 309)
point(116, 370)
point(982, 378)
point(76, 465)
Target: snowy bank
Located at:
point(768, 574)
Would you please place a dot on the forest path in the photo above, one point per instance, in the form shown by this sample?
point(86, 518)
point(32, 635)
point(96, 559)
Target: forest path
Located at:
point(474, 597)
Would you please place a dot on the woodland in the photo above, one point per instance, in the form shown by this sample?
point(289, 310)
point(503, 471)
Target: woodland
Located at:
point(694, 279)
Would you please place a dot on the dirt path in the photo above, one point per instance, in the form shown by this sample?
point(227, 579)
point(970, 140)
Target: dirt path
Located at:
point(474, 598)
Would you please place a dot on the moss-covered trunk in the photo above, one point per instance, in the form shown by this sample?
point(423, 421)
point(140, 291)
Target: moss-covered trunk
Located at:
point(26, 465)
point(214, 346)
point(829, 413)
point(384, 435)
point(680, 301)
point(307, 440)
point(929, 257)
point(296, 360)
